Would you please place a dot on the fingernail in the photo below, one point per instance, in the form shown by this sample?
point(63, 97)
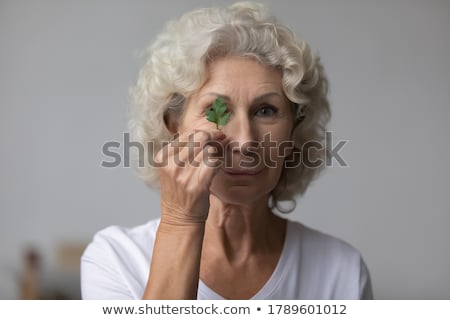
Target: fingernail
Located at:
point(219, 136)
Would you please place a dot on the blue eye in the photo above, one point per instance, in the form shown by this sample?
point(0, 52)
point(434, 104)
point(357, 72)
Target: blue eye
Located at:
point(266, 111)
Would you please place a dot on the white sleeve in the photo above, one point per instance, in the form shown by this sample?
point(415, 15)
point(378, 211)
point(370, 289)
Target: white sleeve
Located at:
point(365, 285)
point(100, 276)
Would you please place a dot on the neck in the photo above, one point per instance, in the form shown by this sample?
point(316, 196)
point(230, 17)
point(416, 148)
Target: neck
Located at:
point(237, 232)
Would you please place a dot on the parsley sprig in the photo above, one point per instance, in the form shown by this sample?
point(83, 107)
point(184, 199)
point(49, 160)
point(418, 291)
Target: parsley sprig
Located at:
point(218, 113)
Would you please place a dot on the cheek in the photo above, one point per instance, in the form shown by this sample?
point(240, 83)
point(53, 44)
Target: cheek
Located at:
point(277, 147)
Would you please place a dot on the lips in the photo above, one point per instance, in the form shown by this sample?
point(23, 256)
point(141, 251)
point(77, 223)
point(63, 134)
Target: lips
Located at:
point(241, 172)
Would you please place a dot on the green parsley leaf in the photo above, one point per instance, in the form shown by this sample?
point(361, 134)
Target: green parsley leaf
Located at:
point(218, 113)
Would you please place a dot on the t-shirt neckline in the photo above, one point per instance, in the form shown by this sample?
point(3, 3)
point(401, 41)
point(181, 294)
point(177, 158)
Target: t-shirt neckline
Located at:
point(275, 278)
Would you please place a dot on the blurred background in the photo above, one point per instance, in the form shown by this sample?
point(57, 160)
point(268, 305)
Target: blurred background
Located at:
point(65, 70)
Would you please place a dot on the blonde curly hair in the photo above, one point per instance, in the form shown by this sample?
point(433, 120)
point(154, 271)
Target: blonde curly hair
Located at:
point(176, 67)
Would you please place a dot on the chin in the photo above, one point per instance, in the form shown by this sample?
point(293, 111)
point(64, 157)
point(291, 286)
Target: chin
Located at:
point(240, 195)
point(245, 191)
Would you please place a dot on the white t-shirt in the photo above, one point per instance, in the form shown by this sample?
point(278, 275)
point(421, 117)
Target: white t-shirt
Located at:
point(312, 266)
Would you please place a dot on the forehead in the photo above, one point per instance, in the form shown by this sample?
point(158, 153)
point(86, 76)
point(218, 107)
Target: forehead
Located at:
point(233, 73)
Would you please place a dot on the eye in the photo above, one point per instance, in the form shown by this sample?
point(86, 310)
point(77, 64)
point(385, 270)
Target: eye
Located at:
point(266, 111)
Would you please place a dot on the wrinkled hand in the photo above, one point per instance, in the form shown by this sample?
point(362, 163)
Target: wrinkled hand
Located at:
point(191, 162)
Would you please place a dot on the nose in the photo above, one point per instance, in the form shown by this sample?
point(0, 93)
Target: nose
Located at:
point(241, 132)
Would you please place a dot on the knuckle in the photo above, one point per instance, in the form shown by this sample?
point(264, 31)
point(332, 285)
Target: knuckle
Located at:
point(202, 135)
point(159, 156)
point(179, 180)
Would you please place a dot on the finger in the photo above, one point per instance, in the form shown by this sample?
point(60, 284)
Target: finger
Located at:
point(207, 166)
point(166, 149)
point(197, 142)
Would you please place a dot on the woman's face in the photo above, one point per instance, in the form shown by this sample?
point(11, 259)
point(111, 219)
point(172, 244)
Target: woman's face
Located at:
point(261, 119)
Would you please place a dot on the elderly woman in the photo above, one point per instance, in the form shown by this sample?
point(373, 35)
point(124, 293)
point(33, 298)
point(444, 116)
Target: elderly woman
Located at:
point(218, 236)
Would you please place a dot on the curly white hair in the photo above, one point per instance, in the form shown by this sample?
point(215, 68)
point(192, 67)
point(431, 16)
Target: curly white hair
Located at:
point(176, 67)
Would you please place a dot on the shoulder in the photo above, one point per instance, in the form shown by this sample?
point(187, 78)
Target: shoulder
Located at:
point(320, 245)
point(120, 241)
point(335, 267)
point(118, 236)
point(116, 262)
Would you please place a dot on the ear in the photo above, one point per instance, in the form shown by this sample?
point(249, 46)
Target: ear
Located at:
point(171, 122)
point(300, 116)
point(289, 151)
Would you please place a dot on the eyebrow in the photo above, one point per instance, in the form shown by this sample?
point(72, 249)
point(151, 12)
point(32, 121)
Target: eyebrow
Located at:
point(225, 97)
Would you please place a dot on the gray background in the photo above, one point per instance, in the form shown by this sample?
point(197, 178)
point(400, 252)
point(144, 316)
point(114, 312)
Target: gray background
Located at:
point(65, 70)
